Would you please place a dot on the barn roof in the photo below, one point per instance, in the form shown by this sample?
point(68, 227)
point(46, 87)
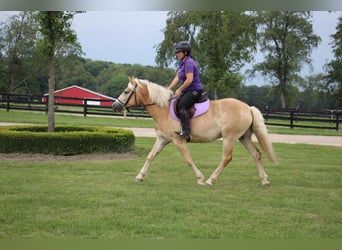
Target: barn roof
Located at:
point(84, 89)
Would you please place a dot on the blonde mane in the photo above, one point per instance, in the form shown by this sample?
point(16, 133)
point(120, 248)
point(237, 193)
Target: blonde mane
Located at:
point(158, 94)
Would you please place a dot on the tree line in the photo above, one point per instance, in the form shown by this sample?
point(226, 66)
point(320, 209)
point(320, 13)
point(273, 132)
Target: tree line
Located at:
point(222, 43)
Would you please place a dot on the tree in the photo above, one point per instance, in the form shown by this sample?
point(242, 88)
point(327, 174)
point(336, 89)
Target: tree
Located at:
point(334, 68)
point(57, 37)
point(72, 70)
point(254, 95)
point(226, 41)
point(180, 25)
point(221, 42)
point(314, 94)
point(287, 39)
point(17, 46)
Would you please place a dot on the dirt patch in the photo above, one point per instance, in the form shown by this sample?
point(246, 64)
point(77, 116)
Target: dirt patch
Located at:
point(82, 157)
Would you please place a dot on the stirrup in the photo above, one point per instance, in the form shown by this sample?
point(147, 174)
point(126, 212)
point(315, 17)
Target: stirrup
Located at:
point(180, 133)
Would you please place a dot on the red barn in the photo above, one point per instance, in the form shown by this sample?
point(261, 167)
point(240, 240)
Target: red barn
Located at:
point(81, 94)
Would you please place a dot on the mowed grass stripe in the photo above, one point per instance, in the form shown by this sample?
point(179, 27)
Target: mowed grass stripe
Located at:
point(100, 199)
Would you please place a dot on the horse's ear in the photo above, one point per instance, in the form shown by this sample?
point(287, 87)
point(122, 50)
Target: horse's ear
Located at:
point(131, 79)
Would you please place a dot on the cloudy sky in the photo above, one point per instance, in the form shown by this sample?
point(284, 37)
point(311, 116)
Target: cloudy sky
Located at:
point(120, 36)
point(131, 36)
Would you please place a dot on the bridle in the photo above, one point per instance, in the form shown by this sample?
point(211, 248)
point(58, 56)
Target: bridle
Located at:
point(131, 94)
point(129, 98)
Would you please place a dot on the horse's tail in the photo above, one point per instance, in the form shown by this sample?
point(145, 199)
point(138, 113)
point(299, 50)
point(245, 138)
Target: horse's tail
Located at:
point(260, 131)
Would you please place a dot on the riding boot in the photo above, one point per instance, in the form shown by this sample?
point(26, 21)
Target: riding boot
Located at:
point(185, 124)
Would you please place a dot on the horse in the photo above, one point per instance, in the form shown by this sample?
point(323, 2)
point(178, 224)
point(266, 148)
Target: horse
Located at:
point(229, 119)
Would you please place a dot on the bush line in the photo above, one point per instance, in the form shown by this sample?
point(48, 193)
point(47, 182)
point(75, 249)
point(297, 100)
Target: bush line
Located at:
point(66, 140)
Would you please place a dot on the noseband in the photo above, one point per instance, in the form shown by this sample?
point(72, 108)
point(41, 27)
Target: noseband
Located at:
point(129, 98)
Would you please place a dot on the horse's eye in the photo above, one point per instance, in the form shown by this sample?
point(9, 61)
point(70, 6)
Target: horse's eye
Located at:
point(126, 92)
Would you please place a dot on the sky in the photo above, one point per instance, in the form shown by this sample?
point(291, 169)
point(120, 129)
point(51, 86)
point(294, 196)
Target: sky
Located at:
point(120, 36)
point(131, 37)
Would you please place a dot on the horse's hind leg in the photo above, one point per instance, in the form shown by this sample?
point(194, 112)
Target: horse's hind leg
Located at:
point(158, 146)
point(246, 140)
point(227, 156)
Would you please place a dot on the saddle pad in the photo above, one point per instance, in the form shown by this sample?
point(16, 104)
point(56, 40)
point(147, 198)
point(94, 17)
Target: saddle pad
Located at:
point(200, 108)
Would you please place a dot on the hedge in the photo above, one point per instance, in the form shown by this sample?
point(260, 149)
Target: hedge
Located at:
point(66, 140)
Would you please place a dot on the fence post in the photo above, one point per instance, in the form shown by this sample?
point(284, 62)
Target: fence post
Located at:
point(337, 120)
point(266, 113)
point(291, 119)
point(84, 107)
point(8, 102)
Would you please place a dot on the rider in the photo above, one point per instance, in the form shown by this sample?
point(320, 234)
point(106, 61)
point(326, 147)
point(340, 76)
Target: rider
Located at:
point(191, 87)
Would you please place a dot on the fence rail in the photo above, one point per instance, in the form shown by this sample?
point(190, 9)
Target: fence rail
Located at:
point(86, 105)
point(293, 118)
point(326, 119)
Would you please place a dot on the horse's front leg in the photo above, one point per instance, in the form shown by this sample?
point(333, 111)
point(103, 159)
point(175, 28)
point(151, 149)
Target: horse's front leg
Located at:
point(187, 157)
point(160, 143)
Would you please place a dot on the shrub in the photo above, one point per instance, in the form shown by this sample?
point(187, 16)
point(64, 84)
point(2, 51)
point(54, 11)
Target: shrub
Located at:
point(66, 140)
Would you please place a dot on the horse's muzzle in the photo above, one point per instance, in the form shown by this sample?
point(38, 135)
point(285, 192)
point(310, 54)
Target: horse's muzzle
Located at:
point(117, 106)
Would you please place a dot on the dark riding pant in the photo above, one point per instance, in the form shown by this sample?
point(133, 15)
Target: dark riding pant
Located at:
point(186, 100)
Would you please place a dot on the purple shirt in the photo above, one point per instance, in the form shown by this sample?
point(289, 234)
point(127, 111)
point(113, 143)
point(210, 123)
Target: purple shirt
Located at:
point(189, 66)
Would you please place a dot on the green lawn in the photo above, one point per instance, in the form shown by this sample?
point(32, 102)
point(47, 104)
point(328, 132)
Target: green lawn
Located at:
point(69, 119)
point(100, 199)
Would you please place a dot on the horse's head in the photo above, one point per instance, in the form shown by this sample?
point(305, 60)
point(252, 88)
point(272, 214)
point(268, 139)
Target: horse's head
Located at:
point(128, 97)
point(142, 92)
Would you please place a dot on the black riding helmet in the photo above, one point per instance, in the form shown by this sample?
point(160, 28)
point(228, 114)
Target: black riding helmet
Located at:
point(183, 46)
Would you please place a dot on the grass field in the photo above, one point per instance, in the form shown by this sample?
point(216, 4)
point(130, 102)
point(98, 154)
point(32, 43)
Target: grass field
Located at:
point(100, 199)
point(68, 119)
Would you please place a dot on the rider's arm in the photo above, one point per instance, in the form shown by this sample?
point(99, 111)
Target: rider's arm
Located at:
point(174, 82)
point(187, 82)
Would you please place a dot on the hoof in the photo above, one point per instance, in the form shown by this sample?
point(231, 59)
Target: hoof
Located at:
point(138, 179)
point(209, 182)
point(200, 181)
point(266, 183)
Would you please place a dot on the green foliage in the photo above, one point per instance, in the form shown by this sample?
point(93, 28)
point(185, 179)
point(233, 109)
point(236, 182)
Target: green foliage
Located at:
point(66, 140)
point(334, 77)
point(180, 25)
point(226, 40)
point(55, 27)
point(18, 36)
point(106, 77)
point(221, 42)
point(287, 39)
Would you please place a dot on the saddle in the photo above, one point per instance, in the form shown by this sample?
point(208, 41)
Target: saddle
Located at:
point(199, 108)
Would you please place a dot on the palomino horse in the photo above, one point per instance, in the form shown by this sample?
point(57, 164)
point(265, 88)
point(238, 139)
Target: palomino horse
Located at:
point(228, 119)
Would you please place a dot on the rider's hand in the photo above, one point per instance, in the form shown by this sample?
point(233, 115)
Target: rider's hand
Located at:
point(178, 92)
